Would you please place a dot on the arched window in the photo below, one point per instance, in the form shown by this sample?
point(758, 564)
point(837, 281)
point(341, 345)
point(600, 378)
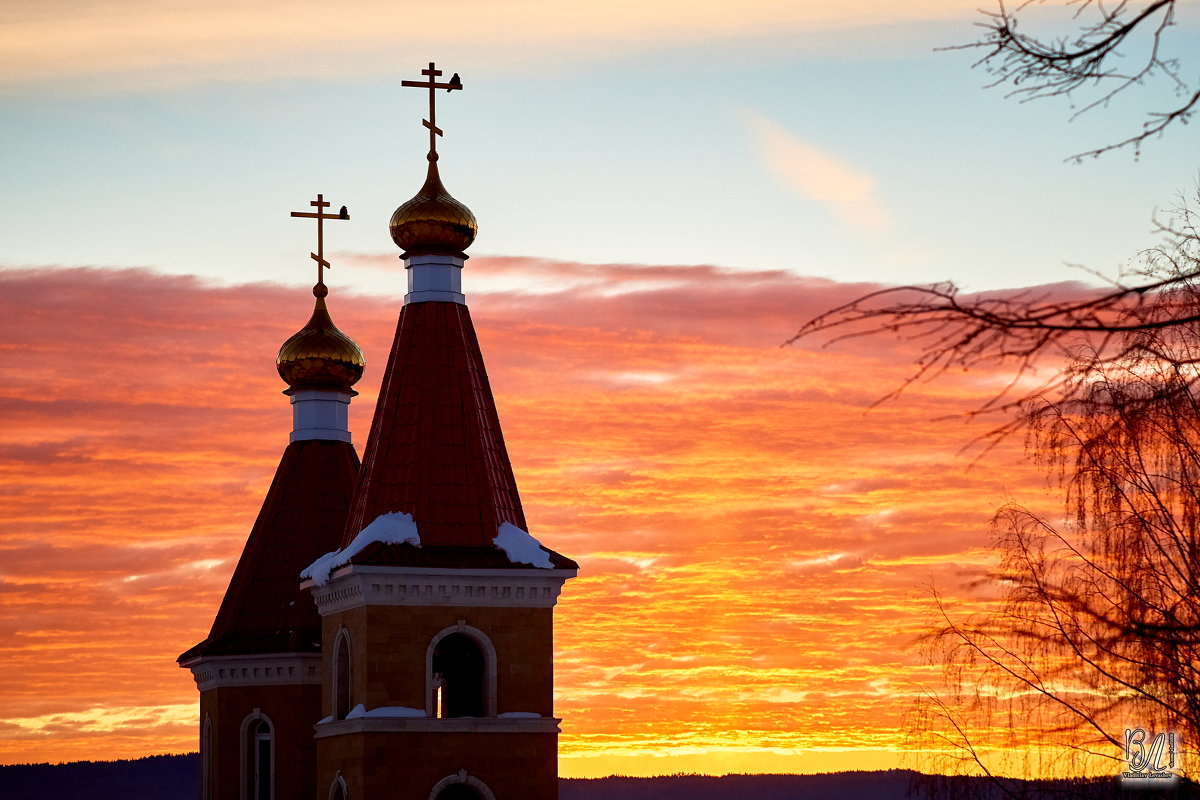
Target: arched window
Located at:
point(458, 791)
point(461, 787)
point(458, 670)
point(338, 790)
point(341, 676)
point(258, 758)
point(206, 759)
point(460, 673)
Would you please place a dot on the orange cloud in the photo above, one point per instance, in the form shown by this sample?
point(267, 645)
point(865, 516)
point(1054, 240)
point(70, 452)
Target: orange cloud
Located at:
point(754, 546)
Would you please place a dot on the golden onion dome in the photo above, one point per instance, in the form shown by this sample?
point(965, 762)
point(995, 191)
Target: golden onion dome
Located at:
point(433, 221)
point(319, 356)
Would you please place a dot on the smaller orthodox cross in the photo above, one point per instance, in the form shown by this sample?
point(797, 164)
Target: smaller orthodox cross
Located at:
point(320, 216)
point(431, 85)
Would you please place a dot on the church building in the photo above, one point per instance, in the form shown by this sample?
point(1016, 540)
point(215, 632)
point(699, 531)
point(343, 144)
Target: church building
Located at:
point(388, 630)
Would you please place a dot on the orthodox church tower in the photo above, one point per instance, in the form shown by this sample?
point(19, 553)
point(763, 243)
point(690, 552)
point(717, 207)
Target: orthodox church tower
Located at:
point(424, 669)
point(259, 670)
point(436, 609)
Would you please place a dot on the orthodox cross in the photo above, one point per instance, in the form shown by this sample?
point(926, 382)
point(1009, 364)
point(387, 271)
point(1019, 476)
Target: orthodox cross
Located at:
point(431, 85)
point(320, 216)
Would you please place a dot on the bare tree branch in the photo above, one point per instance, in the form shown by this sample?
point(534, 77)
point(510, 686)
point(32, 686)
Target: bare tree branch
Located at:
point(1098, 622)
point(1093, 57)
point(1038, 327)
point(1098, 626)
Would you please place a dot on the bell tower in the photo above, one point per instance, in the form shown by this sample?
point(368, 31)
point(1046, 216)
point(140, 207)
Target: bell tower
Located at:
point(259, 669)
point(436, 608)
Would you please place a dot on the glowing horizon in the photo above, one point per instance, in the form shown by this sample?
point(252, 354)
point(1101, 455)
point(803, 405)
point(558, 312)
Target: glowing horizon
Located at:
point(691, 182)
point(753, 544)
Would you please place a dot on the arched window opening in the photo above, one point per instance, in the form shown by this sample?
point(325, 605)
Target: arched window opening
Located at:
point(458, 675)
point(206, 759)
point(461, 787)
point(259, 756)
point(341, 678)
point(458, 791)
point(338, 790)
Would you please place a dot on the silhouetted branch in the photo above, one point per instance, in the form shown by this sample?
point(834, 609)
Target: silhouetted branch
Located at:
point(1048, 66)
point(1097, 626)
point(1145, 314)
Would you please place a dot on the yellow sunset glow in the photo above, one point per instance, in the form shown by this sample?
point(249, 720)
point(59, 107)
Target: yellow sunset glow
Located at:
point(755, 547)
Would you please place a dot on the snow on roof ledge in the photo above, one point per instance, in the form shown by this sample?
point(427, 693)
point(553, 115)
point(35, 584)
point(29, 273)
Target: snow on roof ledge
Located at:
point(394, 528)
point(521, 548)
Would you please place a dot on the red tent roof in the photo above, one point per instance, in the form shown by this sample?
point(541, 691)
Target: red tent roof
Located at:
point(435, 450)
point(302, 517)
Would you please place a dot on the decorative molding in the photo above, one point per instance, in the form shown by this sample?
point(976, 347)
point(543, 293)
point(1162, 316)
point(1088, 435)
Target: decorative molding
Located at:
point(275, 669)
point(354, 585)
point(345, 727)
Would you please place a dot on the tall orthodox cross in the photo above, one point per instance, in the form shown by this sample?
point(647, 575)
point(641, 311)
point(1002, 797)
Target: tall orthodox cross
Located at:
point(431, 85)
point(320, 216)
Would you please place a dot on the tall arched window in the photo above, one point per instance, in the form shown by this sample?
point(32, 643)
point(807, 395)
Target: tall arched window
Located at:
point(341, 676)
point(206, 759)
point(338, 790)
point(258, 758)
point(458, 671)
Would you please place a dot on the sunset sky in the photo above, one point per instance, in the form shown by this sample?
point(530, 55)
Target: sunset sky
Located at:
point(665, 193)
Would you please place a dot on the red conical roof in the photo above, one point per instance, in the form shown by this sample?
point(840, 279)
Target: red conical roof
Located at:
point(302, 517)
point(435, 450)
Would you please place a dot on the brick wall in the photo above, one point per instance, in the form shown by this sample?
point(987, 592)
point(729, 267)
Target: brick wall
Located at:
point(292, 710)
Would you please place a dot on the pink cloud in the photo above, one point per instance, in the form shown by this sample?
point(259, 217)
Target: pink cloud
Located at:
point(802, 167)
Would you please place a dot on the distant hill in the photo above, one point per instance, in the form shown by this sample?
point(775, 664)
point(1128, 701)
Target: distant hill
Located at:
point(175, 778)
point(152, 778)
point(891, 785)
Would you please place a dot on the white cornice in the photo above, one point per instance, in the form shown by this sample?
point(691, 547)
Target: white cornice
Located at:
point(343, 727)
point(353, 586)
point(273, 669)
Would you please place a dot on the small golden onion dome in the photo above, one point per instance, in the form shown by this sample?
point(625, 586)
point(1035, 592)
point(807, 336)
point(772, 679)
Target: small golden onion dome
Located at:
point(433, 221)
point(319, 356)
